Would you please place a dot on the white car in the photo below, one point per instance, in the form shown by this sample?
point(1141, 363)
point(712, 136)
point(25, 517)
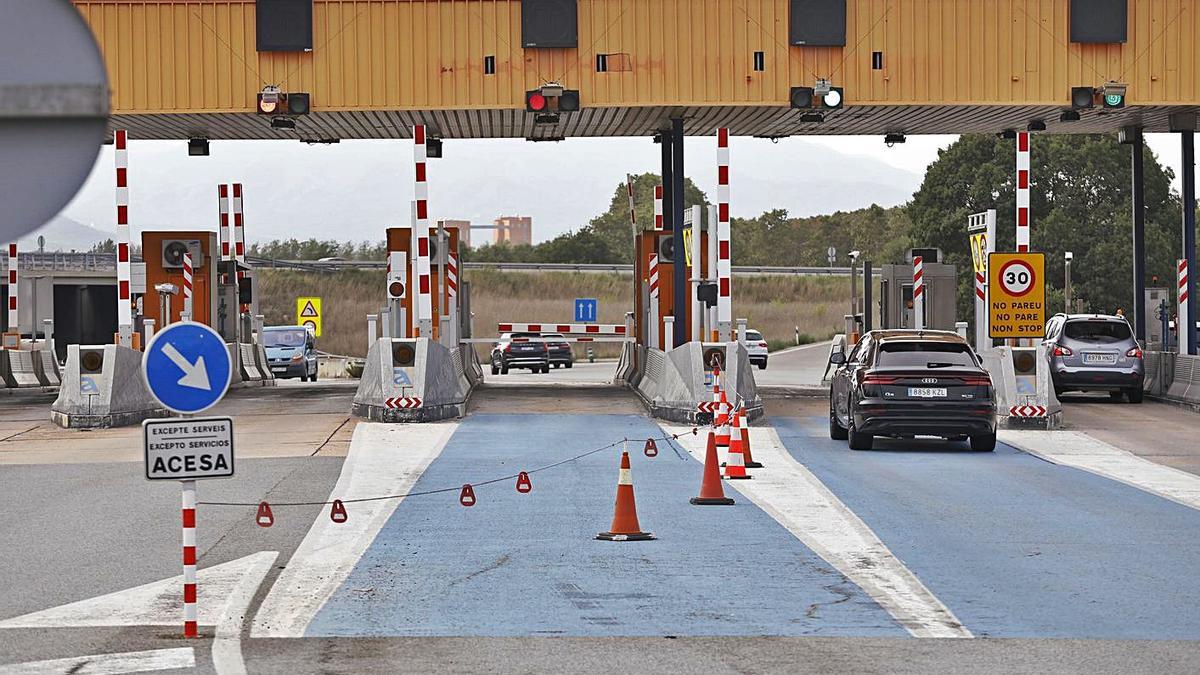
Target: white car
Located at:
point(756, 346)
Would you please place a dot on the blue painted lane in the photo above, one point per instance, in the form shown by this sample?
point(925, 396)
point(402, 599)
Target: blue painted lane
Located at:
point(1016, 546)
point(527, 564)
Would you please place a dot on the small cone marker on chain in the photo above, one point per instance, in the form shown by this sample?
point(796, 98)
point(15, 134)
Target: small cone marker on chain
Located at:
point(735, 463)
point(711, 491)
point(651, 449)
point(337, 512)
point(467, 496)
point(264, 518)
point(523, 483)
point(625, 525)
point(745, 425)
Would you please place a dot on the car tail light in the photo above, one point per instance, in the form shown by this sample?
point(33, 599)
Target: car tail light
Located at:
point(977, 381)
point(1136, 353)
point(762, 344)
point(508, 348)
point(879, 379)
point(1059, 350)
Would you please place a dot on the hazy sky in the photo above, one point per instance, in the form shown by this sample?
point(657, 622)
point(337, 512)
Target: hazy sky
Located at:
point(353, 190)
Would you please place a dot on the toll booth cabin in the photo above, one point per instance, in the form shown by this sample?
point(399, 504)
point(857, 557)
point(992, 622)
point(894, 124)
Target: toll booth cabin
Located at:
point(162, 253)
point(896, 296)
point(661, 242)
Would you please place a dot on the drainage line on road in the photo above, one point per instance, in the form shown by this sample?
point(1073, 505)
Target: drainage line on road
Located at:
point(669, 438)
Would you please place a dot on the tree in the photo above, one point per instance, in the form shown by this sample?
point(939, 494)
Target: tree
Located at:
point(613, 226)
point(1080, 201)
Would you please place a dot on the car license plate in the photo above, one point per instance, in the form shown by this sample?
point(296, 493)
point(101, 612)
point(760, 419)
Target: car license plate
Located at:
point(927, 392)
point(1099, 358)
point(278, 369)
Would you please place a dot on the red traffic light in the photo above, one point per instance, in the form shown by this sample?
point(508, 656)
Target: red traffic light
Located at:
point(396, 289)
point(535, 101)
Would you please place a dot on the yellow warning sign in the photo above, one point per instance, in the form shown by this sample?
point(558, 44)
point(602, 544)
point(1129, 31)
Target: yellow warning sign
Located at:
point(1017, 282)
point(979, 252)
point(308, 313)
point(687, 244)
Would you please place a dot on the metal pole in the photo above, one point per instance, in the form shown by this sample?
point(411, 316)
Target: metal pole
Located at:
point(665, 309)
point(1188, 186)
point(190, 625)
point(867, 273)
point(677, 199)
point(1139, 238)
point(697, 327)
point(1067, 285)
point(853, 287)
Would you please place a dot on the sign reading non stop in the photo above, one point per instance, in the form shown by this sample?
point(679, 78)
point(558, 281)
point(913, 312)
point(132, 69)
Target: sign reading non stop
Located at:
point(1017, 307)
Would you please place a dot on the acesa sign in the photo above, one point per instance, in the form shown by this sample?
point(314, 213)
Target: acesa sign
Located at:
point(188, 449)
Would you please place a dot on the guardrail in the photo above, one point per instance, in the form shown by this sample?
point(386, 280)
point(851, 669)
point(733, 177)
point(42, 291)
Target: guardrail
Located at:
point(337, 265)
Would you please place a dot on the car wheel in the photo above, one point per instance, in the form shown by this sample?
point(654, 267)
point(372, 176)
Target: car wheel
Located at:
point(762, 365)
point(1135, 394)
point(545, 369)
point(569, 364)
point(836, 432)
point(313, 377)
point(503, 368)
point(858, 441)
point(984, 443)
point(1116, 395)
point(495, 369)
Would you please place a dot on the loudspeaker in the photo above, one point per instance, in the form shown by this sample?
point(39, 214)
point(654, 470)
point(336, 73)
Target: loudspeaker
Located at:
point(91, 360)
point(817, 23)
point(1099, 21)
point(549, 24)
point(404, 353)
point(714, 355)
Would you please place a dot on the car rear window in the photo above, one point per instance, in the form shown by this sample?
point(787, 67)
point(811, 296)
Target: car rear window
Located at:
point(753, 336)
point(1097, 331)
point(526, 335)
point(924, 355)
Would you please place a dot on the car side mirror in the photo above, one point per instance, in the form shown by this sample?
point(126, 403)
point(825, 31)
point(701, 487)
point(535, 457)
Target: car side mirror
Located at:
point(837, 358)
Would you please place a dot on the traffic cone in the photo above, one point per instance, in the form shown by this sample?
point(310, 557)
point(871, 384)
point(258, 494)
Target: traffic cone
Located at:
point(745, 425)
point(711, 491)
point(722, 423)
point(735, 463)
point(625, 521)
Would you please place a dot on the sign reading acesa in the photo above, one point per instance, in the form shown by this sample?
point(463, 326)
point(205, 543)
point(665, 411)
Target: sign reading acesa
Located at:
point(189, 449)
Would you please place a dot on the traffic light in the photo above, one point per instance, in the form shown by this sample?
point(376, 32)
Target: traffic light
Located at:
point(1114, 95)
point(833, 99)
point(807, 97)
point(272, 101)
point(551, 100)
point(802, 97)
point(1083, 97)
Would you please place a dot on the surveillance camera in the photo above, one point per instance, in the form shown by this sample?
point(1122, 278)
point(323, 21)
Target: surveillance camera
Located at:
point(1069, 255)
point(855, 254)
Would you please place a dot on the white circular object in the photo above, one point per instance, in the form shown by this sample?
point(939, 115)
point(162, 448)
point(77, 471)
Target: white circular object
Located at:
point(834, 98)
point(1017, 277)
point(53, 110)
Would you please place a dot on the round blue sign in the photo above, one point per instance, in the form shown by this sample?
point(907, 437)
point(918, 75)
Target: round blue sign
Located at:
point(187, 367)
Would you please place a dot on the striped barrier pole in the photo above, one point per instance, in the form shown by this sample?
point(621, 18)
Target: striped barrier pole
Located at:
point(652, 335)
point(223, 221)
point(1023, 213)
point(190, 625)
point(452, 295)
point(918, 293)
point(1181, 317)
point(632, 213)
point(239, 239)
point(186, 314)
point(424, 313)
point(658, 208)
point(124, 296)
point(14, 325)
point(724, 270)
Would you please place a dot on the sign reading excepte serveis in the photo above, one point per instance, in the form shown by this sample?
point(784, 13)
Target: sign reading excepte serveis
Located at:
point(188, 449)
point(1017, 307)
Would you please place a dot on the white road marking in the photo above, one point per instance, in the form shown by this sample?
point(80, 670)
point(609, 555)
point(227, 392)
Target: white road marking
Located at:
point(159, 603)
point(797, 348)
point(227, 644)
point(384, 459)
point(800, 502)
point(1078, 450)
point(108, 664)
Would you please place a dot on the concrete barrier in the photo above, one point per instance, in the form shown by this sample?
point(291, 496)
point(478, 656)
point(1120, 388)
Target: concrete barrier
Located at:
point(1185, 386)
point(6, 378)
point(248, 365)
point(21, 369)
point(1160, 372)
point(441, 378)
point(1012, 393)
point(264, 368)
point(671, 384)
point(114, 397)
point(46, 365)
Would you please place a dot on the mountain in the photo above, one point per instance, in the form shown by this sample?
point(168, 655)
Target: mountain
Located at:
point(64, 234)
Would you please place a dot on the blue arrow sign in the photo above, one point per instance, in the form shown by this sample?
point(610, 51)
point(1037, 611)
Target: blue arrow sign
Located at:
point(585, 310)
point(187, 367)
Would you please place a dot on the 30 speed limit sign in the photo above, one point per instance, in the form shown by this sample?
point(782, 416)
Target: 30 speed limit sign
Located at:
point(1018, 295)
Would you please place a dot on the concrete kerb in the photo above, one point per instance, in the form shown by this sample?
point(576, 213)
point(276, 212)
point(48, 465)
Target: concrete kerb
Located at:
point(671, 384)
point(438, 377)
point(116, 396)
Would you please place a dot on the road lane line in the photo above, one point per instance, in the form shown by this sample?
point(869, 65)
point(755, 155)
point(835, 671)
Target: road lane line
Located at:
point(383, 459)
point(227, 644)
point(1081, 451)
point(108, 664)
point(800, 502)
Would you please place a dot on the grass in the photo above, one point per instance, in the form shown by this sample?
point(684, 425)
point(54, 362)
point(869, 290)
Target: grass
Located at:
point(777, 306)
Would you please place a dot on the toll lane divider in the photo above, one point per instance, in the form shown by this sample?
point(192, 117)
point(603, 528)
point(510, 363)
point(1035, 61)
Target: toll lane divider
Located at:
point(333, 546)
point(799, 501)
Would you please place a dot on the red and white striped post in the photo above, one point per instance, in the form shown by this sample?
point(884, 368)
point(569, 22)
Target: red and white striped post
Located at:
point(190, 621)
point(424, 304)
point(918, 293)
point(186, 314)
point(239, 237)
point(223, 232)
point(653, 332)
point(632, 213)
point(1181, 318)
point(1023, 211)
point(14, 323)
point(452, 295)
point(658, 208)
point(724, 269)
point(124, 297)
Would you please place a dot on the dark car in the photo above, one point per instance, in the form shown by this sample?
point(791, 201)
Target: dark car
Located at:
point(907, 383)
point(1094, 352)
point(520, 350)
point(560, 350)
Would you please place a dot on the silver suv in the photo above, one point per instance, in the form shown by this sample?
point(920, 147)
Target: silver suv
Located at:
point(1094, 352)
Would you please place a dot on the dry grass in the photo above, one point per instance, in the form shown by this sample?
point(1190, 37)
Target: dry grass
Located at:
point(775, 305)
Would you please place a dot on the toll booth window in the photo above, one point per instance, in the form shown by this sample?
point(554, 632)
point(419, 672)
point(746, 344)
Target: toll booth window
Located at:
point(284, 25)
point(925, 355)
point(1097, 331)
point(284, 338)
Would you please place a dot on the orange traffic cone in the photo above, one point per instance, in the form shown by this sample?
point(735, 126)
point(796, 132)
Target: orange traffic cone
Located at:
point(745, 424)
point(711, 491)
point(722, 423)
point(625, 521)
point(735, 463)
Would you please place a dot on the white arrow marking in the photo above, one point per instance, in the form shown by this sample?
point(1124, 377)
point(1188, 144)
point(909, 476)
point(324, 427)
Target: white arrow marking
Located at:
point(109, 664)
point(194, 374)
